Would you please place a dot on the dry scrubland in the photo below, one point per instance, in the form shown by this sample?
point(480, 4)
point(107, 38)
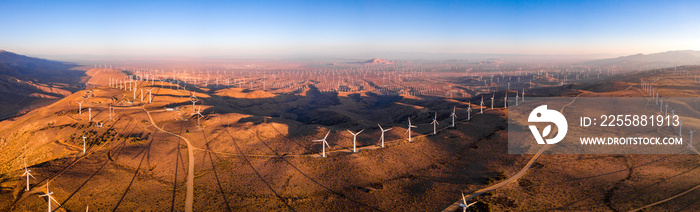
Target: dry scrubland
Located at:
point(253, 151)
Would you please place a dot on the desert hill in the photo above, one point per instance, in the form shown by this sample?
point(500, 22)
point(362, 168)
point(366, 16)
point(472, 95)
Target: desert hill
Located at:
point(378, 61)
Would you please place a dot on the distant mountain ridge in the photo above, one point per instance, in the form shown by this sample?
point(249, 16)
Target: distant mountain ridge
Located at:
point(27, 80)
point(651, 61)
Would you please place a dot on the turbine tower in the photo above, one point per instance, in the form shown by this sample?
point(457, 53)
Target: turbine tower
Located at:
point(354, 139)
point(409, 129)
point(481, 105)
point(150, 97)
point(435, 123)
point(84, 144)
point(89, 114)
point(492, 97)
point(469, 112)
point(324, 143)
point(80, 107)
point(691, 131)
point(453, 115)
point(383, 130)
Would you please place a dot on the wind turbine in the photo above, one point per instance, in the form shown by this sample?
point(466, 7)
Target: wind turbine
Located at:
point(383, 130)
point(89, 114)
point(80, 107)
point(435, 123)
point(354, 139)
point(481, 105)
point(324, 143)
point(199, 115)
point(453, 115)
point(84, 144)
point(469, 112)
point(492, 97)
point(505, 101)
point(28, 174)
point(48, 196)
point(691, 131)
point(150, 98)
point(464, 204)
point(193, 99)
point(409, 129)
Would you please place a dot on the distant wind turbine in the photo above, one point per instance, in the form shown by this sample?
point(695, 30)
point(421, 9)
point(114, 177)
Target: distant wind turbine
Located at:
point(435, 123)
point(409, 129)
point(383, 130)
point(354, 139)
point(324, 143)
point(453, 115)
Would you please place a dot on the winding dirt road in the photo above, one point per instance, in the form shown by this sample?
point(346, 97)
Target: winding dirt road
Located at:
point(190, 164)
point(455, 206)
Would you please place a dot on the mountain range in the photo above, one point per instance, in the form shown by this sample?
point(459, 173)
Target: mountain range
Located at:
point(26, 81)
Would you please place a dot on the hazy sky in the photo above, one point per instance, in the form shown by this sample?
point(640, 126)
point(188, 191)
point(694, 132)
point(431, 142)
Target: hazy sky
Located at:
point(307, 28)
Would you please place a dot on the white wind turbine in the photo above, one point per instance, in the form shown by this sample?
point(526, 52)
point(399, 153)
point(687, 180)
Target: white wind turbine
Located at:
point(354, 139)
point(505, 101)
point(89, 114)
point(193, 99)
point(84, 144)
point(199, 115)
point(691, 131)
point(80, 107)
point(48, 196)
point(324, 143)
point(469, 112)
point(409, 129)
point(383, 130)
point(453, 115)
point(464, 204)
point(492, 97)
point(28, 174)
point(435, 123)
point(150, 97)
point(481, 105)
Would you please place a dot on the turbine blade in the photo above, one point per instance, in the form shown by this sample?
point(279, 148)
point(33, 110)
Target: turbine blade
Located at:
point(380, 127)
point(360, 131)
point(464, 199)
point(54, 200)
point(329, 132)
